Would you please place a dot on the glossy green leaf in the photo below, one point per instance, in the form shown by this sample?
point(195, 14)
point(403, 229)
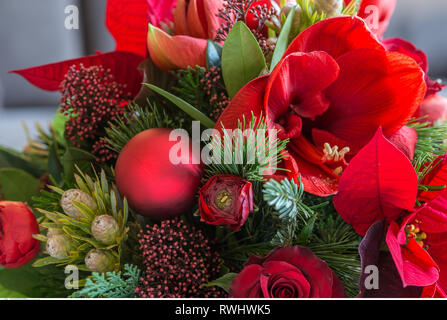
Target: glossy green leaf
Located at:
point(12, 159)
point(242, 58)
point(18, 185)
point(283, 40)
point(185, 106)
point(223, 282)
point(213, 55)
point(76, 157)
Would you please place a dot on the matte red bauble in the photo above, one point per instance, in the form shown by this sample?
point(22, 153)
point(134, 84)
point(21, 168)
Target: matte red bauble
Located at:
point(153, 185)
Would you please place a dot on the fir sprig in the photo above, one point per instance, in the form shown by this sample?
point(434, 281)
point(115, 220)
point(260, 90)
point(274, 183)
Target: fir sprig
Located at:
point(429, 146)
point(111, 284)
point(352, 8)
point(134, 121)
point(248, 151)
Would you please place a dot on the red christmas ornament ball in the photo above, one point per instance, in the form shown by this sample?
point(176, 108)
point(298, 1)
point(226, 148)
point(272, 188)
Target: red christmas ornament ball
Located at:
point(152, 184)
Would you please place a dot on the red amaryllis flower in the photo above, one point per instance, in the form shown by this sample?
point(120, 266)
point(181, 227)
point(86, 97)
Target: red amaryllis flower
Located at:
point(226, 200)
point(407, 48)
point(418, 245)
point(17, 225)
point(288, 272)
point(377, 14)
point(335, 85)
point(195, 21)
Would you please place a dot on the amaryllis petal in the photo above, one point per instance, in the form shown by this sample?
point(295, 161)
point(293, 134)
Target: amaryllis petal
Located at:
point(375, 88)
point(180, 24)
point(123, 66)
point(197, 24)
point(127, 22)
point(211, 9)
point(164, 50)
point(247, 102)
point(405, 140)
point(380, 182)
point(335, 36)
point(160, 12)
point(377, 14)
point(298, 82)
point(414, 264)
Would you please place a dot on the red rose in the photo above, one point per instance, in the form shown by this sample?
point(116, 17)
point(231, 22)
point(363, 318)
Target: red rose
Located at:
point(226, 200)
point(17, 225)
point(289, 272)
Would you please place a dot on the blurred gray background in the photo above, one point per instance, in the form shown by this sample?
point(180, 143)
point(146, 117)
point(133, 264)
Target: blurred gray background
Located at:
point(32, 33)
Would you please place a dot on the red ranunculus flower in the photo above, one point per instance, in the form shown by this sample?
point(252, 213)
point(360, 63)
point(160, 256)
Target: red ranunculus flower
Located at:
point(377, 14)
point(335, 85)
point(17, 225)
point(226, 200)
point(289, 272)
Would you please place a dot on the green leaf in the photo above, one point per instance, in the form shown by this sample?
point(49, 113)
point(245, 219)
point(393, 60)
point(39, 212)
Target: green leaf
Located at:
point(55, 168)
point(185, 106)
point(242, 58)
point(12, 159)
point(283, 40)
point(18, 185)
point(223, 282)
point(5, 293)
point(59, 121)
point(213, 55)
point(76, 157)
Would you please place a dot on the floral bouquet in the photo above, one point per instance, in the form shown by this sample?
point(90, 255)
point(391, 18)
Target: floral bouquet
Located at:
point(233, 148)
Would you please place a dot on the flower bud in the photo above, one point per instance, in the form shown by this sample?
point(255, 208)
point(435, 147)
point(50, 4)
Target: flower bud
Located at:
point(100, 261)
point(105, 229)
point(331, 8)
point(59, 246)
point(79, 196)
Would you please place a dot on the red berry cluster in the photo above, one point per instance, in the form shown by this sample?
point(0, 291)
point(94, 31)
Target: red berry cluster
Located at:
point(91, 99)
point(178, 260)
point(215, 91)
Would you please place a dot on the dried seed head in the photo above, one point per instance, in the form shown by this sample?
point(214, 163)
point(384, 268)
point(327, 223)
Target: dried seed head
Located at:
point(79, 196)
point(59, 246)
point(105, 229)
point(100, 261)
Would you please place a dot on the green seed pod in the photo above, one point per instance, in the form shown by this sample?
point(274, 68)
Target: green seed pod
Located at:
point(76, 195)
point(100, 261)
point(59, 246)
point(331, 8)
point(105, 229)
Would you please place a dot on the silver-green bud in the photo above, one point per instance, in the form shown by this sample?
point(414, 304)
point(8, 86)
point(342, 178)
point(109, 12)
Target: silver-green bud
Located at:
point(100, 261)
point(331, 8)
point(59, 246)
point(287, 9)
point(105, 229)
point(79, 196)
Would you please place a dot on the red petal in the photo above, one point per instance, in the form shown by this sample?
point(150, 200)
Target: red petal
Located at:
point(374, 89)
point(211, 9)
point(405, 140)
point(164, 50)
point(335, 36)
point(380, 182)
point(249, 100)
point(409, 49)
point(432, 217)
point(297, 84)
point(123, 65)
point(434, 109)
point(196, 19)
point(377, 21)
point(160, 11)
point(180, 23)
point(127, 22)
point(414, 264)
point(243, 283)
